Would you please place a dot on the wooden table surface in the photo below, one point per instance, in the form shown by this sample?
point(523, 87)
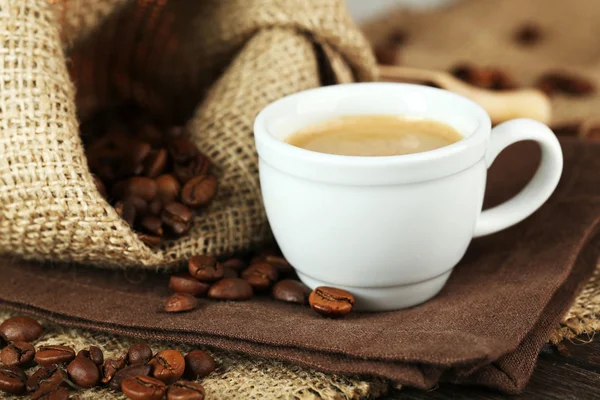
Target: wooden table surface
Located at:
point(569, 371)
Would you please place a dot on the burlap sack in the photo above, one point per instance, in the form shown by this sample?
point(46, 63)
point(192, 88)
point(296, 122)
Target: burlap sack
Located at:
point(219, 62)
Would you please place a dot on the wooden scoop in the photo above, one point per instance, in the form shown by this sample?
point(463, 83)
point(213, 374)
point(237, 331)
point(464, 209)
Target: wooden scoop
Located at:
point(500, 105)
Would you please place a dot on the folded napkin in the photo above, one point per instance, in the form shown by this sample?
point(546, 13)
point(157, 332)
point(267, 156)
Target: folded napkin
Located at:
point(485, 327)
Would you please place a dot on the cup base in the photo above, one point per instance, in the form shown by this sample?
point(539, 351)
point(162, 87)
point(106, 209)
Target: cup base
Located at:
point(387, 298)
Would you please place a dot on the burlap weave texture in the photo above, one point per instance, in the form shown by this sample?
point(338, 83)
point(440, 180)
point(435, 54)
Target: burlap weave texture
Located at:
point(219, 62)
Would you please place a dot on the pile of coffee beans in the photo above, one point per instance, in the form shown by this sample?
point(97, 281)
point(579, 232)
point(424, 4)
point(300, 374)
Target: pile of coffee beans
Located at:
point(237, 280)
point(139, 374)
point(152, 174)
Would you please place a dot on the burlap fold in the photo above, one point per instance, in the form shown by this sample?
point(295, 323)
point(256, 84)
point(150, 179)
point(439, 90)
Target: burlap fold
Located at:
point(219, 62)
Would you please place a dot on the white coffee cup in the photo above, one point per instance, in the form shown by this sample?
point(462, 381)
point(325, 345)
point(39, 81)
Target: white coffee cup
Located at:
point(389, 229)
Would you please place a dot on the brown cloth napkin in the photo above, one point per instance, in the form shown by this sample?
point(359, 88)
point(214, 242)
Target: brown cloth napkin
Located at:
point(485, 327)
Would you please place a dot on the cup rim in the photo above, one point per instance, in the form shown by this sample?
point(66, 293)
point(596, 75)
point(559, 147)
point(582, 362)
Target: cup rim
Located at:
point(267, 144)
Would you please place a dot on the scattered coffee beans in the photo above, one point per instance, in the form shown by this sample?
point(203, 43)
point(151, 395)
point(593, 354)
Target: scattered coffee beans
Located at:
point(198, 364)
point(260, 276)
point(111, 367)
point(49, 355)
point(128, 372)
point(83, 372)
point(180, 302)
point(561, 82)
point(168, 365)
point(486, 78)
point(21, 329)
point(50, 392)
point(18, 354)
point(331, 302)
point(231, 289)
point(52, 376)
point(96, 355)
point(185, 390)
point(291, 291)
point(12, 379)
point(177, 218)
point(205, 268)
point(185, 283)
point(139, 353)
point(143, 388)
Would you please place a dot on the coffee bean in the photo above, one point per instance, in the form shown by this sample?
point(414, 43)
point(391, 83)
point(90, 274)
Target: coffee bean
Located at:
point(150, 240)
point(198, 364)
point(230, 289)
point(205, 268)
point(48, 355)
point(185, 390)
point(140, 205)
point(168, 188)
point(528, 34)
point(96, 355)
point(128, 372)
point(12, 379)
point(111, 367)
point(199, 191)
point(83, 353)
point(139, 353)
point(100, 186)
point(155, 163)
point(143, 388)
point(177, 218)
point(196, 166)
point(52, 376)
point(180, 302)
point(230, 273)
point(83, 372)
point(155, 207)
point(18, 354)
point(234, 263)
point(566, 83)
point(21, 329)
point(280, 263)
point(49, 392)
point(152, 225)
point(185, 283)
point(181, 148)
point(169, 366)
point(486, 78)
point(141, 186)
point(331, 302)
point(261, 257)
point(126, 210)
point(291, 291)
point(260, 276)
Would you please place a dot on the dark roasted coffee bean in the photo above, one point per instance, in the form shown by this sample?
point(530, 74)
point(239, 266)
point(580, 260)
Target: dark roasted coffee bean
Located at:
point(230, 289)
point(196, 166)
point(234, 263)
point(181, 148)
point(280, 263)
point(83, 353)
point(48, 355)
point(83, 372)
point(111, 367)
point(141, 186)
point(177, 218)
point(528, 34)
point(331, 302)
point(12, 379)
point(52, 376)
point(180, 302)
point(155, 163)
point(138, 152)
point(155, 207)
point(168, 365)
point(562, 82)
point(260, 276)
point(168, 188)
point(139, 353)
point(229, 272)
point(96, 355)
point(261, 257)
point(185, 283)
point(140, 205)
point(150, 240)
point(18, 354)
point(185, 390)
point(21, 329)
point(128, 372)
point(199, 191)
point(50, 392)
point(291, 291)
point(126, 210)
point(148, 133)
point(152, 225)
point(100, 186)
point(143, 388)
point(486, 78)
point(205, 268)
point(198, 364)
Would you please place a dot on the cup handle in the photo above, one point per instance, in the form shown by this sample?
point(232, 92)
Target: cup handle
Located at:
point(541, 186)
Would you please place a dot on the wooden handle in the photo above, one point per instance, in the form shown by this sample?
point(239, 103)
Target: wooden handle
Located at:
point(500, 105)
